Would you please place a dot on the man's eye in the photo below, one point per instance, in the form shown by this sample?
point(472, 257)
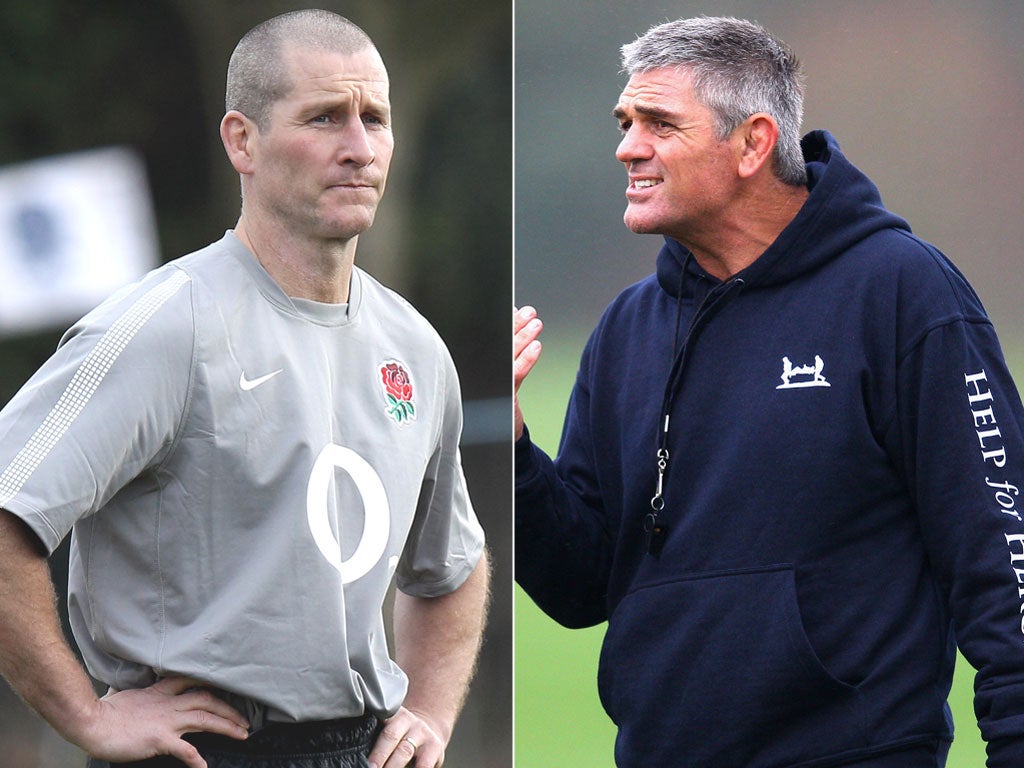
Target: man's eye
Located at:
point(321, 119)
point(624, 126)
point(370, 119)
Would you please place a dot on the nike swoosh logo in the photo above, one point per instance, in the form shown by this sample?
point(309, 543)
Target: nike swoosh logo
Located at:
point(247, 384)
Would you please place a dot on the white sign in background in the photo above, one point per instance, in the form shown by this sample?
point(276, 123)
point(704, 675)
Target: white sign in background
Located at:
point(73, 229)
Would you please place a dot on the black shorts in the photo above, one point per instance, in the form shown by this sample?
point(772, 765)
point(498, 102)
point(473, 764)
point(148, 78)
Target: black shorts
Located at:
point(330, 744)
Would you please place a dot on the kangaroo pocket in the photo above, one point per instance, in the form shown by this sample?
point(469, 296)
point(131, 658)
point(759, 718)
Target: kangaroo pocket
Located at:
point(716, 670)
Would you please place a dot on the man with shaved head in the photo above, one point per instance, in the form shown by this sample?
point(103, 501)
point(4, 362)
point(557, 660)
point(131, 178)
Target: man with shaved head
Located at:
point(247, 447)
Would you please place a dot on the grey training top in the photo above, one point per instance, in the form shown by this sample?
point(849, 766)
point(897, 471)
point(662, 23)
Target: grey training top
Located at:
point(244, 473)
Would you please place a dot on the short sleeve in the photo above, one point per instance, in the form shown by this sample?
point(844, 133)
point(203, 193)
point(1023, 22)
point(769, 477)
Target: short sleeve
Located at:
point(101, 410)
point(446, 539)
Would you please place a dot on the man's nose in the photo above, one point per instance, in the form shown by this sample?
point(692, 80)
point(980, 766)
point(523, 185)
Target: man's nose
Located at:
point(355, 144)
point(633, 146)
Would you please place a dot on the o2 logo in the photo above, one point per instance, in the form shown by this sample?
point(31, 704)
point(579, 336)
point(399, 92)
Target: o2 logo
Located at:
point(376, 513)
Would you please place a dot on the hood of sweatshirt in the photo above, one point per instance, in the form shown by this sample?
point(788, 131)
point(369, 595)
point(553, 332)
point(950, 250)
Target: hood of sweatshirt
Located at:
point(843, 208)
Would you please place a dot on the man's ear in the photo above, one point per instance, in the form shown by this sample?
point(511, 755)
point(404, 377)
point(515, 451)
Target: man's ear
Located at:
point(757, 135)
point(238, 134)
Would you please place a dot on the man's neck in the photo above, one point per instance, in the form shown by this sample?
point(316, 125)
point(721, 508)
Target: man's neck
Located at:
point(318, 270)
point(753, 225)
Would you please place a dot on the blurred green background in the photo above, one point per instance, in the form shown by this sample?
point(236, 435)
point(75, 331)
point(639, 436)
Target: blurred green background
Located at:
point(923, 95)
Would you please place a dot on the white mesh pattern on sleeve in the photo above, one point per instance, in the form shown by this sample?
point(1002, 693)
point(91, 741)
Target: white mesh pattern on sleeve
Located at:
point(83, 385)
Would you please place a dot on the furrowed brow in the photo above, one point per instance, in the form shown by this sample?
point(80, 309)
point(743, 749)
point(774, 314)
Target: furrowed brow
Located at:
point(652, 112)
point(379, 106)
point(645, 110)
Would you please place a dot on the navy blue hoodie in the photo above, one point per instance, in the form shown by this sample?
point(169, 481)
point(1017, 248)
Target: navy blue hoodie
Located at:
point(841, 500)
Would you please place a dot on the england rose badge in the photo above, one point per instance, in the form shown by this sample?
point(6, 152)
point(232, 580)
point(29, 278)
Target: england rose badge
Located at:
point(397, 386)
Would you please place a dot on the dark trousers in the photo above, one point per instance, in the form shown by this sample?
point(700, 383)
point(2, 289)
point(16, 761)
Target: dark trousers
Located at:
point(331, 744)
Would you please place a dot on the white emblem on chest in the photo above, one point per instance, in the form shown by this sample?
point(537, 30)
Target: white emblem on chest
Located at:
point(803, 375)
point(376, 513)
point(247, 384)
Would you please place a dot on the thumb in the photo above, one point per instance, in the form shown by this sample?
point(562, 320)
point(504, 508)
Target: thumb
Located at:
point(176, 684)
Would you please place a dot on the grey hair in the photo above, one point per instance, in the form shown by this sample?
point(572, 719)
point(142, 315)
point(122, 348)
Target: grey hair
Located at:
point(257, 73)
point(738, 69)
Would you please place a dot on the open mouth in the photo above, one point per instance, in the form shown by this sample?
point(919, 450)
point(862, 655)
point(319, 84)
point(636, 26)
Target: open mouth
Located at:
point(645, 183)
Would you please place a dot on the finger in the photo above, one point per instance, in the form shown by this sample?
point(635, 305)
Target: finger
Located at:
point(174, 685)
point(192, 695)
point(392, 747)
point(419, 745)
point(525, 334)
point(386, 742)
point(522, 340)
point(187, 754)
point(526, 326)
point(403, 754)
point(526, 337)
point(524, 362)
point(521, 317)
point(201, 720)
point(429, 756)
point(208, 702)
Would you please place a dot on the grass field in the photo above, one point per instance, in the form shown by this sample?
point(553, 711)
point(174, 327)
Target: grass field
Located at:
point(558, 718)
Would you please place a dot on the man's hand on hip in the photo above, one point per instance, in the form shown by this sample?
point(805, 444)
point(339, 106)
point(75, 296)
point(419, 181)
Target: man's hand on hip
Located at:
point(408, 738)
point(146, 722)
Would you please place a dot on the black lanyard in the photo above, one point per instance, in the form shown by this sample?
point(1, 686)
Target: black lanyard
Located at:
point(655, 529)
